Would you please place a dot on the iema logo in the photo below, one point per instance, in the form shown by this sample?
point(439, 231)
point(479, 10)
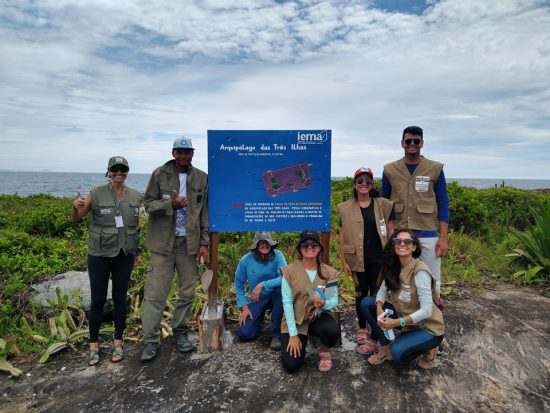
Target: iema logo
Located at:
point(312, 137)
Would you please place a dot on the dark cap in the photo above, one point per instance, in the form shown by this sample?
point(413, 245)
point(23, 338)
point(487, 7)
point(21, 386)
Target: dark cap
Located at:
point(309, 234)
point(116, 160)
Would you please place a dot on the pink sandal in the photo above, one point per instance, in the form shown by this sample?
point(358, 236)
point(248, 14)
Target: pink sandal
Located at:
point(325, 361)
point(427, 360)
point(366, 349)
point(376, 359)
point(361, 337)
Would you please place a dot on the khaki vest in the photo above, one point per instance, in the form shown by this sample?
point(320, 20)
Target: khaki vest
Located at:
point(353, 228)
point(413, 195)
point(296, 276)
point(405, 300)
point(106, 240)
point(161, 227)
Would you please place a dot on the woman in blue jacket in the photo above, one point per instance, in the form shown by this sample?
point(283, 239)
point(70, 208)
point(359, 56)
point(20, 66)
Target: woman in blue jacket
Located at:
point(260, 269)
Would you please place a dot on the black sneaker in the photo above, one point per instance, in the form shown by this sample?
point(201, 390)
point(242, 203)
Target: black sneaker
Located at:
point(183, 344)
point(149, 351)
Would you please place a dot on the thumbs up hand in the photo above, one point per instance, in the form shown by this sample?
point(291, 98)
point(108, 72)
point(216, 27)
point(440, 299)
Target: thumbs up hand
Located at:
point(79, 202)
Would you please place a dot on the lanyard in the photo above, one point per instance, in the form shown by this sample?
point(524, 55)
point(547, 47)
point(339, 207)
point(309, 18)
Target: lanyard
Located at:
point(117, 200)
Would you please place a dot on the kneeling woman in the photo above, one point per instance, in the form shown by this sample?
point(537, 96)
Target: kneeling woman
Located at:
point(411, 287)
point(304, 311)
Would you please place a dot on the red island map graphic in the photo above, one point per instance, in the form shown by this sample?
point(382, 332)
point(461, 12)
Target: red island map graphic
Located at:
point(290, 179)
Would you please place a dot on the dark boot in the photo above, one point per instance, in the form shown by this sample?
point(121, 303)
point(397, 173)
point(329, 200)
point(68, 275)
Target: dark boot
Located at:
point(149, 351)
point(183, 344)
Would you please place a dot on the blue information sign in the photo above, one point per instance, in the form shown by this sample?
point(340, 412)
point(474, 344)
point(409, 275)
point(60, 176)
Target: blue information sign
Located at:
point(269, 180)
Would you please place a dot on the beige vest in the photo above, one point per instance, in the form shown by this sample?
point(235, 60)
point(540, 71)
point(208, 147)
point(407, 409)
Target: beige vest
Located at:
point(105, 239)
point(405, 300)
point(353, 227)
point(296, 276)
point(413, 195)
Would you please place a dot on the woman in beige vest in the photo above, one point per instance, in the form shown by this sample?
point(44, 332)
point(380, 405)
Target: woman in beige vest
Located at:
point(309, 292)
point(366, 223)
point(411, 287)
point(113, 247)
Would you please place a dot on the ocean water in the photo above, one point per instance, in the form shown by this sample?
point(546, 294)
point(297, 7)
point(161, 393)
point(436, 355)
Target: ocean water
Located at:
point(66, 184)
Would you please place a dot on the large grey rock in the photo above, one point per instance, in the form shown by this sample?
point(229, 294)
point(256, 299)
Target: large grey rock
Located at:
point(68, 282)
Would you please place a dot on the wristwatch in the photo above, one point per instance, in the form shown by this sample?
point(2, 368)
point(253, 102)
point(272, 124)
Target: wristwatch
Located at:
point(402, 322)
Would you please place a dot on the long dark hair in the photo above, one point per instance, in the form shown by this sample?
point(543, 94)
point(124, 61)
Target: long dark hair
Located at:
point(261, 257)
point(318, 259)
point(390, 266)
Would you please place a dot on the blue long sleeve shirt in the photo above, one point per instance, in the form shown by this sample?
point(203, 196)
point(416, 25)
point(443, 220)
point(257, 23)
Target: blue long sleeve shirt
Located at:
point(441, 198)
point(288, 304)
point(253, 272)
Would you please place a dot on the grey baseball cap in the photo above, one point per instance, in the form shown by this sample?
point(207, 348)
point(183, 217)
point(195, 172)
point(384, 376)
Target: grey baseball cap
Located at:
point(183, 143)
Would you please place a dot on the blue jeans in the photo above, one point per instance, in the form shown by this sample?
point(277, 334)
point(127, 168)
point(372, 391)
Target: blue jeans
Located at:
point(252, 326)
point(409, 344)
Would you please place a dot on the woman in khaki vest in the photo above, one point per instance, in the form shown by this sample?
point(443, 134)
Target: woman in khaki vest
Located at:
point(366, 223)
point(306, 311)
point(411, 287)
point(113, 248)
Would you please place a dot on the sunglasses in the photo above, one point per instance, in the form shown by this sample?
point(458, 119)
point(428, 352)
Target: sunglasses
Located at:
point(399, 241)
point(264, 243)
point(184, 151)
point(306, 245)
point(366, 181)
point(118, 168)
point(415, 140)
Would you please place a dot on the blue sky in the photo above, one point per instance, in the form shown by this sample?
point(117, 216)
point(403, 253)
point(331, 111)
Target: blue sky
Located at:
point(83, 80)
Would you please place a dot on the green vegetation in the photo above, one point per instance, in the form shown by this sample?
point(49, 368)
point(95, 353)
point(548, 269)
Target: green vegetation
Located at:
point(37, 241)
point(535, 247)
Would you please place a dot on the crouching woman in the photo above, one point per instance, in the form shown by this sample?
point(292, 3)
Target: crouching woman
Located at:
point(411, 287)
point(307, 313)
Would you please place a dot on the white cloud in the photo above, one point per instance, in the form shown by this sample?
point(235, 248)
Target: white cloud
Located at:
point(93, 78)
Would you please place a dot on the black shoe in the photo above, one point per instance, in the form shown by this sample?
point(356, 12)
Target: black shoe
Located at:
point(183, 344)
point(275, 343)
point(149, 351)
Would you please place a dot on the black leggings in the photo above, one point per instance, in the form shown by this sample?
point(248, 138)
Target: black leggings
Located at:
point(325, 327)
point(366, 286)
point(99, 269)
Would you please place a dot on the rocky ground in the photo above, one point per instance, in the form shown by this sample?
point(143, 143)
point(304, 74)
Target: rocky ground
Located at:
point(496, 358)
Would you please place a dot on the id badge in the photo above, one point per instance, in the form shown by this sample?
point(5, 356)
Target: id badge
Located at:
point(383, 230)
point(118, 221)
point(422, 183)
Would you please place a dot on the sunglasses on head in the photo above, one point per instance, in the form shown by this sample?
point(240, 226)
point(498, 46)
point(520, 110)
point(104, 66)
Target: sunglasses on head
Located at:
point(118, 168)
point(415, 140)
point(366, 181)
point(399, 241)
point(313, 244)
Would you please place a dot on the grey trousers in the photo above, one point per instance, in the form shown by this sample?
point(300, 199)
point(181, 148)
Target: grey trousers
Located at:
point(429, 258)
point(160, 274)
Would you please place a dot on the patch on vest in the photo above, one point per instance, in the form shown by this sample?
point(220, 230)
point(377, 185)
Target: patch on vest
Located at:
point(105, 211)
point(383, 230)
point(422, 183)
point(405, 293)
